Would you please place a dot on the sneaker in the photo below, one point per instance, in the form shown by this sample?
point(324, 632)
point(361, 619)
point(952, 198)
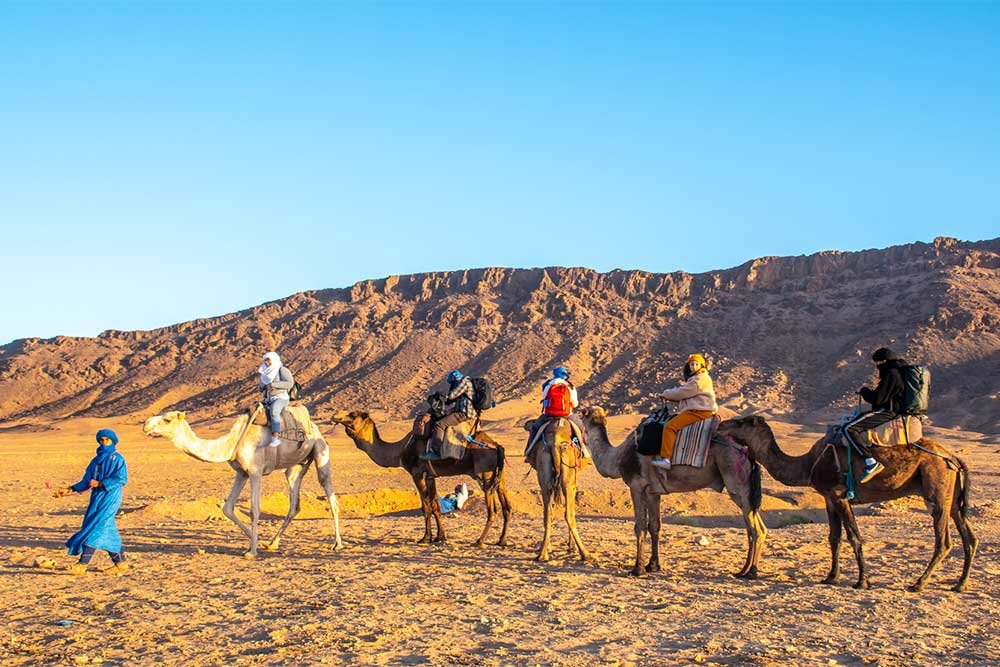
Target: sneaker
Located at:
point(117, 569)
point(275, 441)
point(661, 462)
point(77, 569)
point(871, 471)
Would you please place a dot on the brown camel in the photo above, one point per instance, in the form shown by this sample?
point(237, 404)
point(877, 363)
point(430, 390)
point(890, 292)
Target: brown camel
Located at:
point(360, 427)
point(556, 465)
point(940, 477)
point(727, 467)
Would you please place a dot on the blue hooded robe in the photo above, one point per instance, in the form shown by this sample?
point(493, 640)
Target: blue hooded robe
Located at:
point(99, 530)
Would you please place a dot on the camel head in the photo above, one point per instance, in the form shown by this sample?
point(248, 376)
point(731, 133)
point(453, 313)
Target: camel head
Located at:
point(164, 424)
point(355, 423)
point(743, 429)
point(594, 415)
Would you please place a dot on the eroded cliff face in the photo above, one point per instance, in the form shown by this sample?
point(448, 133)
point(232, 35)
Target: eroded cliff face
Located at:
point(784, 333)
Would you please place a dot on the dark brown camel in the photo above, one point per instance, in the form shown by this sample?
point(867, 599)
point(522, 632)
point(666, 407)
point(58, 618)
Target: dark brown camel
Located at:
point(360, 428)
point(908, 472)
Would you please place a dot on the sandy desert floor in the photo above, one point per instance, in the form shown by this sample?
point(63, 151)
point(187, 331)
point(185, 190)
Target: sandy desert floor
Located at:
point(193, 599)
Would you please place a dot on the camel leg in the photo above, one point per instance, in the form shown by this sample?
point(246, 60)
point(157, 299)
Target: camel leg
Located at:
point(569, 491)
point(641, 520)
point(420, 482)
point(293, 476)
point(501, 491)
point(738, 489)
point(836, 533)
point(854, 537)
point(969, 544)
point(229, 508)
point(326, 481)
point(255, 485)
point(491, 510)
point(653, 523)
point(432, 499)
point(942, 540)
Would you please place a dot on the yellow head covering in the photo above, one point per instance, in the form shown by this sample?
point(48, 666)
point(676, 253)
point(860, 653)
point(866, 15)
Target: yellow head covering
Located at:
point(697, 359)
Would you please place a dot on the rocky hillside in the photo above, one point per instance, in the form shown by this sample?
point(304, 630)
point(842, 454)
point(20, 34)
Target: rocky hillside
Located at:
point(785, 334)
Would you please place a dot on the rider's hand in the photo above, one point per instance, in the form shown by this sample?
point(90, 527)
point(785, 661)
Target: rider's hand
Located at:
point(94, 484)
point(59, 493)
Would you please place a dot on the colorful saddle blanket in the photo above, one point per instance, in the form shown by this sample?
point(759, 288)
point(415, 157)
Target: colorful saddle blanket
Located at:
point(690, 447)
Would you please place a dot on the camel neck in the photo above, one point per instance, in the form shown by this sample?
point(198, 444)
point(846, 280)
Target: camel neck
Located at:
point(607, 457)
point(787, 469)
point(382, 453)
point(218, 450)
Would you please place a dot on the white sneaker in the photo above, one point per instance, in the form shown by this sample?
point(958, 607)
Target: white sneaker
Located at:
point(661, 462)
point(275, 441)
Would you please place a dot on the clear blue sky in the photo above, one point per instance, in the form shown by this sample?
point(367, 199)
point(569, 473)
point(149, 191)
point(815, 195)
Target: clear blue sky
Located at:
point(166, 161)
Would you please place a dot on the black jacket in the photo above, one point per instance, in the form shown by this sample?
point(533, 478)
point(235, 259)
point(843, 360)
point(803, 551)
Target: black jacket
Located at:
point(890, 387)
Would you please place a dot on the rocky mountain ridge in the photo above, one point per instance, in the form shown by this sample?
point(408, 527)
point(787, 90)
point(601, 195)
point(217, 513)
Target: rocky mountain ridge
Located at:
point(785, 335)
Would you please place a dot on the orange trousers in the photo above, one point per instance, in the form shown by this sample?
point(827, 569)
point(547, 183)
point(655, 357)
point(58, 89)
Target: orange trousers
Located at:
point(678, 422)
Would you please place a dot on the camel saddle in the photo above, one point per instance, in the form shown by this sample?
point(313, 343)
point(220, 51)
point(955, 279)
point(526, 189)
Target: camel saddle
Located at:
point(292, 428)
point(902, 430)
point(581, 453)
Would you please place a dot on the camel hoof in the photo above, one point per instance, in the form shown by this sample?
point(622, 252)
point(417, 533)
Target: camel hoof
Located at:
point(424, 540)
point(653, 567)
point(749, 574)
point(863, 584)
point(339, 546)
point(250, 555)
point(542, 558)
point(959, 587)
point(478, 545)
point(915, 588)
point(637, 573)
point(829, 581)
point(271, 546)
point(502, 543)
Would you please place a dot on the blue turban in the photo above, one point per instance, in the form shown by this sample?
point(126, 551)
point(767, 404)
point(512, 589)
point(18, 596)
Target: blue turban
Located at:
point(109, 434)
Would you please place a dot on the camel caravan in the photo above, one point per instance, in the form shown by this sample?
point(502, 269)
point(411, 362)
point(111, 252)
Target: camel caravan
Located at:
point(874, 455)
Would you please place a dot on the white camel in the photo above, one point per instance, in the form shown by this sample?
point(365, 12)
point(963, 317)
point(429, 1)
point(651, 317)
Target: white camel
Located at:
point(243, 449)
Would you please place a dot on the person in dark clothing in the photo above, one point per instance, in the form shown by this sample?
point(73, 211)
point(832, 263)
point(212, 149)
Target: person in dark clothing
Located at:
point(461, 401)
point(884, 399)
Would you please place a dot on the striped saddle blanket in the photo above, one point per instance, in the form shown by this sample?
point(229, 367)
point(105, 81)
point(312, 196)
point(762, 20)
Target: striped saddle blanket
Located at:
point(691, 446)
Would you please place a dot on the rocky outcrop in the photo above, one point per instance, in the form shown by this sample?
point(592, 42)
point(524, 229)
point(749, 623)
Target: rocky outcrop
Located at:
point(786, 334)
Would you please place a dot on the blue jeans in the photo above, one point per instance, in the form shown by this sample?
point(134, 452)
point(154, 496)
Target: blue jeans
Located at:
point(274, 410)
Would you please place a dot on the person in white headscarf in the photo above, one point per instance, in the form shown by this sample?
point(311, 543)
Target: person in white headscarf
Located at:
point(275, 381)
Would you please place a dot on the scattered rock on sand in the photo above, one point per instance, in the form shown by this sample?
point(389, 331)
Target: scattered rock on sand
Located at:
point(702, 541)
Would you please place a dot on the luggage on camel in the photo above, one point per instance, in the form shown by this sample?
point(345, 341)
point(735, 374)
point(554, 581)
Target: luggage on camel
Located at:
point(559, 401)
point(483, 396)
point(916, 390)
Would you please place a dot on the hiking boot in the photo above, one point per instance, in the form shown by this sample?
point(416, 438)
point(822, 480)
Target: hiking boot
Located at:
point(117, 570)
point(77, 569)
point(871, 471)
point(661, 462)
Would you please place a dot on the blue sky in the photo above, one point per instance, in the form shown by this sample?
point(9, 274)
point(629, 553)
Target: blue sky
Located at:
point(167, 161)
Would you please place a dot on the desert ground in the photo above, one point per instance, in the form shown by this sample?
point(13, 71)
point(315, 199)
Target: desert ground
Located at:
point(193, 599)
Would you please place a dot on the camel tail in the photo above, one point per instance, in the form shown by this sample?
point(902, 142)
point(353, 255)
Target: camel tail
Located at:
point(756, 484)
point(964, 484)
point(497, 472)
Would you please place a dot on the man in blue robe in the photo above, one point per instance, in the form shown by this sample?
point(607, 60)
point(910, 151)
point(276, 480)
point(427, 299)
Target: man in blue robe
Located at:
point(105, 476)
